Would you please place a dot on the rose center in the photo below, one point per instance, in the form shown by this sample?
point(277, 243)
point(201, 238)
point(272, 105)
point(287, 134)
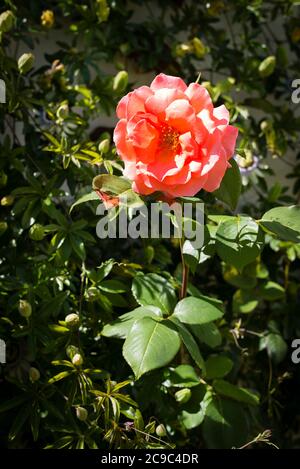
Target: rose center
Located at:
point(169, 138)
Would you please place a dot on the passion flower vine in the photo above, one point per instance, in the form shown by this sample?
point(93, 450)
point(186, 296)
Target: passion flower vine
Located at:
point(172, 139)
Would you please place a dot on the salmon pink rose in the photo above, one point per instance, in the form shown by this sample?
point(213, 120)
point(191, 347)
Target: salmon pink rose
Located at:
point(172, 139)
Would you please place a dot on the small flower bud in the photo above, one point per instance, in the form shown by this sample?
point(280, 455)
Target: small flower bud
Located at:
point(71, 351)
point(7, 21)
point(47, 19)
point(25, 308)
point(183, 395)
point(182, 49)
point(102, 10)
point(37, 232)
point(7, 200)
point(161, 430)
point(72, 320)
point(199, 48)
point(25, 63)
point(34, 374)
point(81, 414)
point(63, 111)
point(267, 66)
point(120, 81)
point(103, 146)
point(92, 293)
point(77, 360)
point(3, 227)
point(3, 178)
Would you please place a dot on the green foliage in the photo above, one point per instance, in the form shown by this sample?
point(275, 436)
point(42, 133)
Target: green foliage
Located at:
point(99, 338)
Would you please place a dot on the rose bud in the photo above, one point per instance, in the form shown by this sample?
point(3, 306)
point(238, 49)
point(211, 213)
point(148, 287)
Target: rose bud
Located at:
point(81, 414)
point(72, 320)
point(161, 430)
point(183, 395)
point(25, 308)
point(34, 374)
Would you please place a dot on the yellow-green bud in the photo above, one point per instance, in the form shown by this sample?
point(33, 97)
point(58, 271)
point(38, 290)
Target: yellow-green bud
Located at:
point(3, 227)
point(3, 178)
point(103, 146)
point(25, 63)
point(47, 19)
point(7, 200)
point(71, 351)
point(198, 48)
point(92, 293)
point(34, 374)
point(63, 111)
point(265, 125)
point(120, 81)
point(102, 10)
point(267, 66)
point(81, 414)
point(77, 360)
point(161, 430)
point(182, 49)
point(37, 232)
point(183, 395)
point(7, 21)
point(72, 320)
point(25, 308)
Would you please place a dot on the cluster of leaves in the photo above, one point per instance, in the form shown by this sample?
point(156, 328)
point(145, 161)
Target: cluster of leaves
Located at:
point(217, 362)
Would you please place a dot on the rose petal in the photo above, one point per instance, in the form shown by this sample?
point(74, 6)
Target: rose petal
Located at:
point(136, 100)
point(167, 81)
point(124, 147)
point(199, 97)
point(161, 99)
point(180, 115)
point(229, 140)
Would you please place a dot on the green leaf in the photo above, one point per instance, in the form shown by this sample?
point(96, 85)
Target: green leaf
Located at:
point(152, 289)
point(244, 301)
point(192, 310)
point(85, 198)
point(19, 422)
point(271, 291)
point(275, 345)
point(110, 184)
point(284, 222)
point(105, 269)
point(150, 344)
point(236, 393)
point(112, 286)
point(225, 424)
point(183, 376)
point(231, 186)
point(194, 410)
point(78, 246)
point(239, 241)
point(189, 342)
point(60, 376)
point(208, 333)
point(218, 366)
point(191, 255)
point(121, 326)
point(11, 403)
